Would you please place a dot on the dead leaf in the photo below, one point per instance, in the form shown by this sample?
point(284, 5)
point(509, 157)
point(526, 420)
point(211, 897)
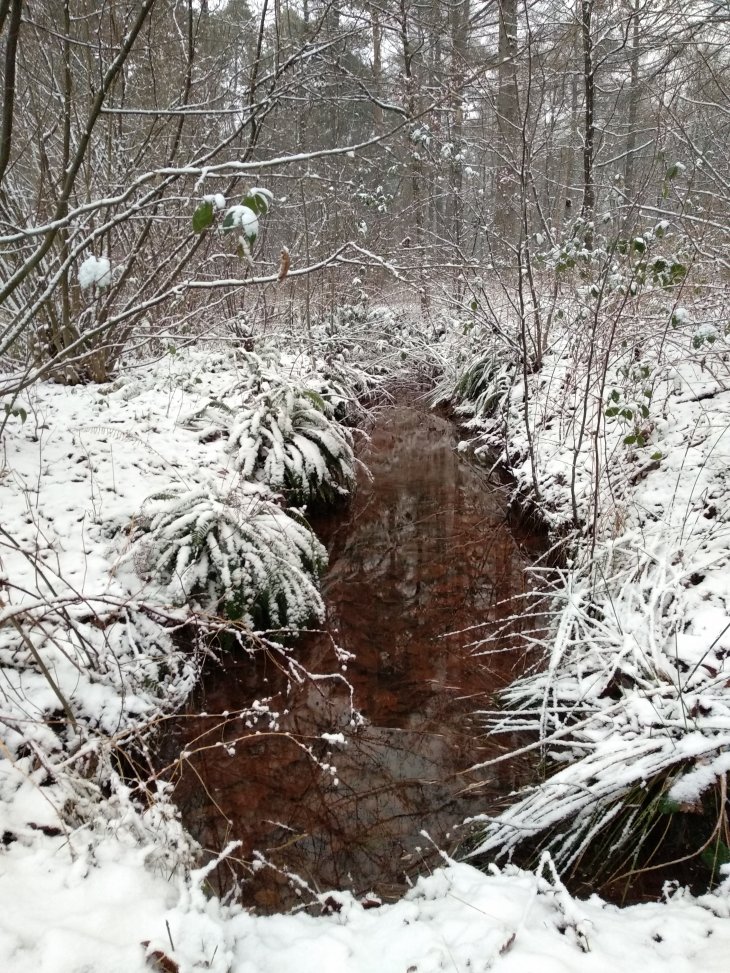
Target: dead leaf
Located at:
point(160, 962)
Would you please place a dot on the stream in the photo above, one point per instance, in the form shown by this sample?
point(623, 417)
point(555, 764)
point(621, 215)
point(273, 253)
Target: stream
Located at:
point(423, 565)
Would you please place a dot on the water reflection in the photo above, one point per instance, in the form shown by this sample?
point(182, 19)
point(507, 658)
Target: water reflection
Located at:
point(340, 796)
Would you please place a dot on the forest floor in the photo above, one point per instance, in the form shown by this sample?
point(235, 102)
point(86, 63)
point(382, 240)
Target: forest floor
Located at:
point(91, 879)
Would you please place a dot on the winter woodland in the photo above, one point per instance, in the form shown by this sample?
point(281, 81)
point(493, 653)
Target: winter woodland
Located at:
point(229, 233)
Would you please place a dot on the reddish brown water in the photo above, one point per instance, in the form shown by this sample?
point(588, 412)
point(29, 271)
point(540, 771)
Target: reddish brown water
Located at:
point(422, 555)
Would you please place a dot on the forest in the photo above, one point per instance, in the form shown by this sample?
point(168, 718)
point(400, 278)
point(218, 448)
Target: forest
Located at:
point(274, 274)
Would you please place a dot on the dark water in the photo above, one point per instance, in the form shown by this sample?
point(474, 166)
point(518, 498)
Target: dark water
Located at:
point(422, 556)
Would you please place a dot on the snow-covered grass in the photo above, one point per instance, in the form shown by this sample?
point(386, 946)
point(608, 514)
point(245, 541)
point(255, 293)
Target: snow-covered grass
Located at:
point(621, 442)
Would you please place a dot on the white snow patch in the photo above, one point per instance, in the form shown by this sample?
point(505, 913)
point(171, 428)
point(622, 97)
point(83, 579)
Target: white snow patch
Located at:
point(245, 219)
point(95, 272)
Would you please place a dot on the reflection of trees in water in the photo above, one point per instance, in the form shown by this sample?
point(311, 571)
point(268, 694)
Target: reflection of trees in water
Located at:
point(424, 552)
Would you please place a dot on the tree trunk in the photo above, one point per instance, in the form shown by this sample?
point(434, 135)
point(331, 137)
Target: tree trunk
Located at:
point(416, 174)
point(589, 130)
point(506, 217)
point(634, 95)
point(377, 30)
point(459, 37)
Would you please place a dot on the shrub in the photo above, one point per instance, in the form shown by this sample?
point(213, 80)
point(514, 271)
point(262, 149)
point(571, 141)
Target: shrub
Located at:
point(482, 387)
point(631, 714)
point(238, 554)
point(288, 438)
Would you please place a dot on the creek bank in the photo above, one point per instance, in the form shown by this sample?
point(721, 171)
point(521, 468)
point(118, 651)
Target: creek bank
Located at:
point(375, 743)
point(634, 690)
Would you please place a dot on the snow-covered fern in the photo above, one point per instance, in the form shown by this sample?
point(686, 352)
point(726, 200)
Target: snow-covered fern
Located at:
point(239, 554)
point(482, 387)
point(288, 438)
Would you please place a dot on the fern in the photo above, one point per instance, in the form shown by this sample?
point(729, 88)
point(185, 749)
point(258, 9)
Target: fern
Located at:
point(238, 554)
point(482, 386)
point(288, 437)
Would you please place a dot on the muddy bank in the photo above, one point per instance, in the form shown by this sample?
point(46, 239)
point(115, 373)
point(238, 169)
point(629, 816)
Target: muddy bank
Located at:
point(422, 569)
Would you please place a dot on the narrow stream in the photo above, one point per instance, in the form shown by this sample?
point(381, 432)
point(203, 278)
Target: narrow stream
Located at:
point(421, 556)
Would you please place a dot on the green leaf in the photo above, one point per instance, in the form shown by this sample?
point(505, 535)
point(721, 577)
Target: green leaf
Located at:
point(257, 204)
point(259, 200)
point(674, 170)
point(668, 806)
point(316, 399)
point(242, 219)
point(615, 395)
point(629, 440)
point(657, 456)
point(18, 412)
point(474, 305)
point(203, 216)
point(612, 411)
point(717, 854)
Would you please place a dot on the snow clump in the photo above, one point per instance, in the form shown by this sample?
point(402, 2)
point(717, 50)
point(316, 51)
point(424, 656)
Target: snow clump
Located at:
point(95, 271)
point(245, 218)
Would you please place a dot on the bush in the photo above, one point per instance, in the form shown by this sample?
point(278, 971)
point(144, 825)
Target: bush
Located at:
point(482, 387)
point(288, 438)
point(238, 554)
point(631, 711)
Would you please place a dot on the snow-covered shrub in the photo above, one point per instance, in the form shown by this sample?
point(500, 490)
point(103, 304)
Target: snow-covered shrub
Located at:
point(381, 341)
point(210, 421)
point(238, 554)
point(70, 668)
point(343, 388)
point(285, 422)
point(632, 713)
point(482, 387)
point(287, 437)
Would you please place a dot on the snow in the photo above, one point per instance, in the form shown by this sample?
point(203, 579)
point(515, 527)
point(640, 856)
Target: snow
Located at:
point(101, 908)
point(93, 879)
point(217, 199)
point(95, 272)
point(108, 912)
point(244, 218)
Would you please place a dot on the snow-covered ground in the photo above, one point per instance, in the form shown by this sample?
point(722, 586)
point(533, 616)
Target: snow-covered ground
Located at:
point(92, 879)
point(626, 455)
point(68, 909)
